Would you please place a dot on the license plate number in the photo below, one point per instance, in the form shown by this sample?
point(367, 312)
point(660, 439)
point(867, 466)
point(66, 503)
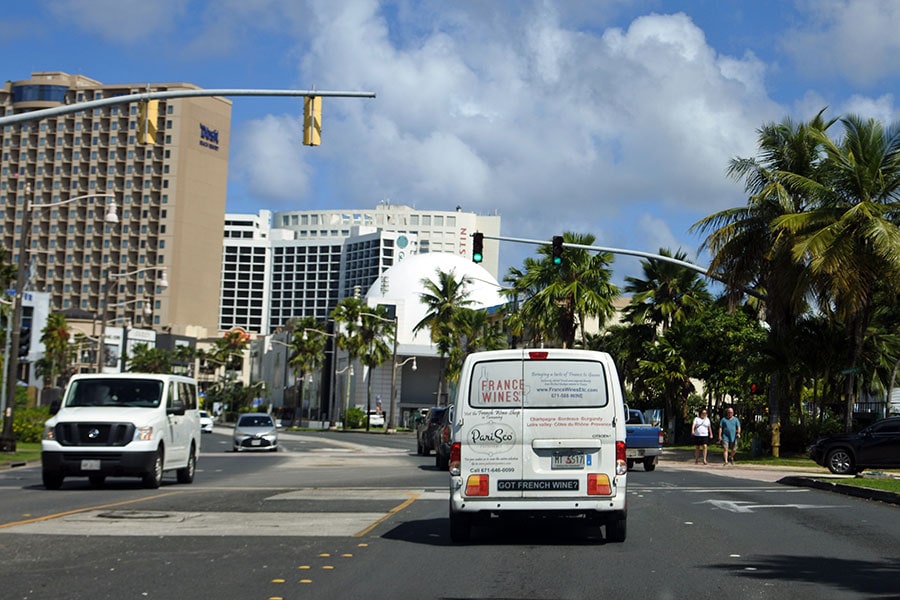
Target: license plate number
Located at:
point(255, 442)
point(568, 460)
point(90, 465)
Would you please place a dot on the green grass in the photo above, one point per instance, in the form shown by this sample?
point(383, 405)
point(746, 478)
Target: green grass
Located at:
point(24, 452)
point(714, 454)
point(889, 484)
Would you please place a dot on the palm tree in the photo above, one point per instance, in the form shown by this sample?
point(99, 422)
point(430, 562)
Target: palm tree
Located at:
point(443, 298)
point(752, 249)
point(557, 299)
point(55, 337)
point(307, 351)
point(375, 327)
point(851, 239)
point(145, 359)
point(346, 319)
point(474, 331)
point(668, 294)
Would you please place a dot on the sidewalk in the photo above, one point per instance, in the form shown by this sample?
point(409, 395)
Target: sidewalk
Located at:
point(812, 477)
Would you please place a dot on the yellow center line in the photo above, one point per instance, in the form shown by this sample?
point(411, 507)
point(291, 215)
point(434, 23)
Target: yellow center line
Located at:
point(412, 498)
point(83, 510)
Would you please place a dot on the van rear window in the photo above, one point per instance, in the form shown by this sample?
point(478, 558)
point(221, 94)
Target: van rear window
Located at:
point(538, 384)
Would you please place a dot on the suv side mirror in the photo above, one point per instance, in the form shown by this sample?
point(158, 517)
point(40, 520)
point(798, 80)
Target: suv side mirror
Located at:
point(54, 407)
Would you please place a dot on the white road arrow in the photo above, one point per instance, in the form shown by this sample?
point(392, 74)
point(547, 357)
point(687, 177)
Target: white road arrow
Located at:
point(748, 507)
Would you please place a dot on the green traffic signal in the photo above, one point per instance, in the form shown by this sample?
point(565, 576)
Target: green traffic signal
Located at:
point(477, 247)
point(557, 249)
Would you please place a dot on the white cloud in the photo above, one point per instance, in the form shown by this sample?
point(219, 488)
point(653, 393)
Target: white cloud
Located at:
point(268, 156)
point(120, 21)
point(857, 39)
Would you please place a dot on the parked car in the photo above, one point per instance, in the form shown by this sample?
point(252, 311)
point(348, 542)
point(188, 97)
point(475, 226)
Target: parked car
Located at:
point(441, 440)
point(255, 431)
point(875, 447)
point(376, 419)
point(425, 430)
point(206, 422)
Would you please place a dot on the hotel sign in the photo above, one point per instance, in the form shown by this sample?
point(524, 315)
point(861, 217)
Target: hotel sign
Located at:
point(209, 138)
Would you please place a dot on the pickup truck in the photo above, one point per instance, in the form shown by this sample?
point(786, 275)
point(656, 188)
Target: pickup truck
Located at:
point(643, 441)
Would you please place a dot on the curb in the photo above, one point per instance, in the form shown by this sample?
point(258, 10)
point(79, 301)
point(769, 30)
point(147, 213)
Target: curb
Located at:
point(840, 488)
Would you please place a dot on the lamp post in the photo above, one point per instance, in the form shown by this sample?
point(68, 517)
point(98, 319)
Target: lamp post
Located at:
point(148, 312)
point(349, 370)
point(163, 283)
point(397, 367)
point(8, 437)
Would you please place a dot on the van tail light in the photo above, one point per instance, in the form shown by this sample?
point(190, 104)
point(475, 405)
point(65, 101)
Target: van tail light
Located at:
point(621, 463)
point(662, 437)
point(598, 485)
point(478, 485)
point(445, 434)
point(455, 455)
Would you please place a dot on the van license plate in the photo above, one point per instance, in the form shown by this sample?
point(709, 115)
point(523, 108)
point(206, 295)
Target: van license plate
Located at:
point(573, 460)
point(90, 465)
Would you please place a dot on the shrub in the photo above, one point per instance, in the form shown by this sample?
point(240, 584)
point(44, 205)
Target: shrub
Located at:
point(28, 425)
point(356, 418)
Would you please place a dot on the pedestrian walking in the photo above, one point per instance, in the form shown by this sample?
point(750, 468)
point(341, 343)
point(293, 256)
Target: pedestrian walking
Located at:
point(701, 429)
point(729, 433)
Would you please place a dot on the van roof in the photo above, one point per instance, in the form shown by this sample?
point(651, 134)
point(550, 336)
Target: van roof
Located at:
point(160, 376)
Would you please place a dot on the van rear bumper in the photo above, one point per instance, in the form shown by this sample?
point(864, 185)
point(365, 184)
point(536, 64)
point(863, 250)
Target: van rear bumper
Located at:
point(115, 464)
point(558, 506)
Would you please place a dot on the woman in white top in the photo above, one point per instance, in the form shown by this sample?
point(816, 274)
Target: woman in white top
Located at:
point(702, 432)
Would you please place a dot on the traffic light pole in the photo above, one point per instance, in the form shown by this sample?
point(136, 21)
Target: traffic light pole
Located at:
point(649, 255)
point(36, 115)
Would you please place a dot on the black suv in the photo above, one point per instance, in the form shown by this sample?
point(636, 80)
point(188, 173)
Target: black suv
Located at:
point(425, 430)
point(876, 446)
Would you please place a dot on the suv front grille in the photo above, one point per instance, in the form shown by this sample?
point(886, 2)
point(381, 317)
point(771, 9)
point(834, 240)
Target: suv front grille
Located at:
point(94, 434)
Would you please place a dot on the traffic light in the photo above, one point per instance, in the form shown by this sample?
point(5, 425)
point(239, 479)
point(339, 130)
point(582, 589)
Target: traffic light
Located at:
point(312, 120)
point(148, 113)
point(753, 389)
point(477, 247)
point(557, 249)
point(24, 342)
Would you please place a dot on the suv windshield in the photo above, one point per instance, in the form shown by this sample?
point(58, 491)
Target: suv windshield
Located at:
point(141, 393)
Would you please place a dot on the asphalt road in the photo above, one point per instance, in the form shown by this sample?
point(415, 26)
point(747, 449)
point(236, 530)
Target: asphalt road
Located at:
point(336, 515)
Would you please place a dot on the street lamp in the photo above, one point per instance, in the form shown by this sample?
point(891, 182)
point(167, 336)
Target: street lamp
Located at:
point(349, 370)
point(8, 437)
point(163, 283)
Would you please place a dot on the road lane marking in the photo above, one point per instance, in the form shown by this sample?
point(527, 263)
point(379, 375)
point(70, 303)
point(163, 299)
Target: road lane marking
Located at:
point(83, 510)
point(412, 498)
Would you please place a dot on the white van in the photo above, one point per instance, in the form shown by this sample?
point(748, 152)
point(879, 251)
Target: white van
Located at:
point(129, 424)
point(538, 432)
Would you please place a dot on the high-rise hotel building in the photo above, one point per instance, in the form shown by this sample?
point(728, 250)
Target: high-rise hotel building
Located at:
point(169, 194)
point(294, 264)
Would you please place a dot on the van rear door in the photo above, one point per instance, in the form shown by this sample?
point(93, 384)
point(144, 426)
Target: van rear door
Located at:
point(491, 423)
point(568, 429)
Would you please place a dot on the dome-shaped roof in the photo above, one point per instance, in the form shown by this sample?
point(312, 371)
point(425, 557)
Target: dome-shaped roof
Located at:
point(401, 285)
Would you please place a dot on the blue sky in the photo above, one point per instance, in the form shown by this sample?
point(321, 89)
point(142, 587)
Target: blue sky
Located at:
point(614, 118)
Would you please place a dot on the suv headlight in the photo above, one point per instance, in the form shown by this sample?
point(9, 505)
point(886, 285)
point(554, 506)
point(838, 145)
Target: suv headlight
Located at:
point(49, 433)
